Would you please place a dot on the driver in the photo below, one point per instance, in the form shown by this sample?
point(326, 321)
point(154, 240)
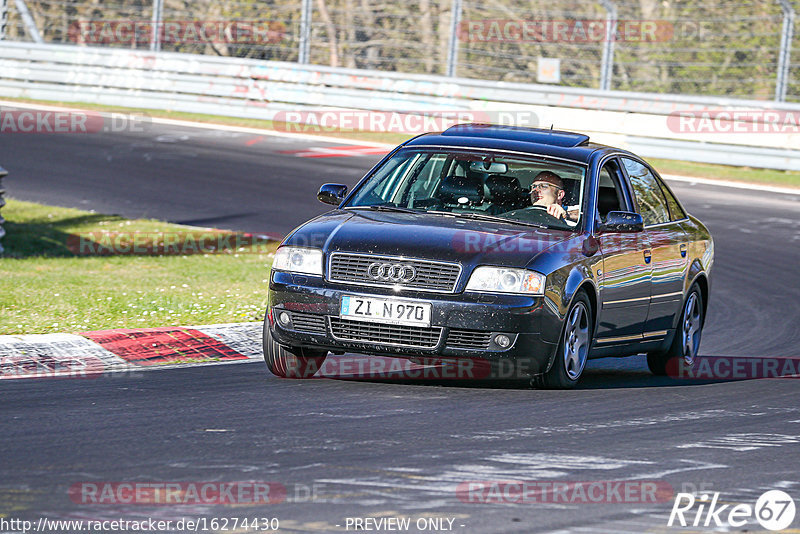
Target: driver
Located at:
point(547, 191)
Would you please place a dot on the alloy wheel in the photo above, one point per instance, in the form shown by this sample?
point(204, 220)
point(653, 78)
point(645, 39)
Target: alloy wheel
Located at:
point(576, 341)
point(691, 329)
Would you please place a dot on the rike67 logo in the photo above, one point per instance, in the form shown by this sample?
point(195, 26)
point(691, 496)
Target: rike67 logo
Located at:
point(774, 510)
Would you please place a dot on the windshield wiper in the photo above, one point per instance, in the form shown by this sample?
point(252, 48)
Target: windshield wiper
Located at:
point(383, 207)
point(463, 215)
point(487, 217)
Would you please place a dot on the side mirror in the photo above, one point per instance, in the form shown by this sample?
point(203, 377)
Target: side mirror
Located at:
point(625, 222)
point(332, 194)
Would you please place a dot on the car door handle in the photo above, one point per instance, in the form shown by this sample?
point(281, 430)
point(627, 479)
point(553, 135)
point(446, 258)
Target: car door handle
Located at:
point(683, 250)
point(647, 255)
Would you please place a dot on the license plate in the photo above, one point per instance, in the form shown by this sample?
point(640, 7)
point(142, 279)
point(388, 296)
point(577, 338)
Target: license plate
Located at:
point(389, 311)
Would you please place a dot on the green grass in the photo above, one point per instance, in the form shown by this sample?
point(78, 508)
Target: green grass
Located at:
point(726, 172)
point(46, 287)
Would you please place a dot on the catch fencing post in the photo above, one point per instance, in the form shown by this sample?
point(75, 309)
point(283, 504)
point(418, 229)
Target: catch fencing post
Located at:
point(3, 174)
point(452, 51)
point(787, 33)
point(305, 33)
point(27, 19)
point(3, 18)
point(158, 13)
point(607, 63)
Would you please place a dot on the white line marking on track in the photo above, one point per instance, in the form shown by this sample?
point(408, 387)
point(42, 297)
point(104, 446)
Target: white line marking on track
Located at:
point(735, 185)
point(696, 466)
point(743, 442)
point(335, 151)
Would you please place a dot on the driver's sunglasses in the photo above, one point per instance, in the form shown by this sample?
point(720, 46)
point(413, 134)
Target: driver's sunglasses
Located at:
point(543, 186)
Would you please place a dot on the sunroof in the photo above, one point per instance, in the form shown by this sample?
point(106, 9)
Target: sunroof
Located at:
point(516, 133)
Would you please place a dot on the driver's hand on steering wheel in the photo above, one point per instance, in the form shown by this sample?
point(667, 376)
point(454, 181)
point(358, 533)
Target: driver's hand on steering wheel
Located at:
point(556, 211)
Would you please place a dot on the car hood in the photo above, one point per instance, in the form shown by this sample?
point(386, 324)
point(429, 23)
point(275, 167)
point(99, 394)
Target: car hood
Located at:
point(426, 236)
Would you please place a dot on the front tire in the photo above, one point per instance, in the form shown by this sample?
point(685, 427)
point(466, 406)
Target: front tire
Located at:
point(686, 342)
point(573, 349)
point(294, 363)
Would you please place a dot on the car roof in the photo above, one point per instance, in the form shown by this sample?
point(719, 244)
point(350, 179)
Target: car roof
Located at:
point(534, 141)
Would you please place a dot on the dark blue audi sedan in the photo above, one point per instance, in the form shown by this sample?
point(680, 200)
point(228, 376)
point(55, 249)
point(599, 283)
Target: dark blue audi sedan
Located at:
point(534, 248)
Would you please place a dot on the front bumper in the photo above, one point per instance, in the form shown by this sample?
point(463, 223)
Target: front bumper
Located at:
point(463, 325)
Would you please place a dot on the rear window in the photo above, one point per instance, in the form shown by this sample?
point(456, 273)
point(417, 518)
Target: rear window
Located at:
point(649, 196)
point(676, 212)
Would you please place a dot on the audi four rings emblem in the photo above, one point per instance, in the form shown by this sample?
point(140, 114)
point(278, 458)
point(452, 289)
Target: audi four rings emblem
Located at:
point(392, 272)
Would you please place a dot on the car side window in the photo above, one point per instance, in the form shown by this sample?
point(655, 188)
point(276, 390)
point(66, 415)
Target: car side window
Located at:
point(609, 193)
point(649, 196)
point(676, 212)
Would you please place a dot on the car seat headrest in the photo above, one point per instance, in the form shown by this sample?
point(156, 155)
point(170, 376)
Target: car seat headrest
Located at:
point(461, 190)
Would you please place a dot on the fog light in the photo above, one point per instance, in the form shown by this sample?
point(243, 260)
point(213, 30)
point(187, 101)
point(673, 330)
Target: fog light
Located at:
point(502, 340)
point(284, 318)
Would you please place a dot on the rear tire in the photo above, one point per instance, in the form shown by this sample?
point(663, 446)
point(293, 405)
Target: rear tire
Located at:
point(573, 349)
point(294, 363)
point(686, 342)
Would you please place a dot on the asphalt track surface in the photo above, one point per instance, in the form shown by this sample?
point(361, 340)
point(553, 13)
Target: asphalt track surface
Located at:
point(394, 449)
point(193, 176)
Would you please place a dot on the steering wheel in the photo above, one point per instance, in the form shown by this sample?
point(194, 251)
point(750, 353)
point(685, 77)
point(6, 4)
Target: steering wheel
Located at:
point(541, 212)
point(536, 214)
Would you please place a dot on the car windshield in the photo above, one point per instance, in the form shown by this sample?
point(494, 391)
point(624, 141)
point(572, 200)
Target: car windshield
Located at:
point(478, 185)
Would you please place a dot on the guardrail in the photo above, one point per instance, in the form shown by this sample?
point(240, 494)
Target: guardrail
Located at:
point(260, 89)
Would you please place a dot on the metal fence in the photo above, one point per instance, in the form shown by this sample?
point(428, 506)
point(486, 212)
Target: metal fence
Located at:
point(257, 89)
point(736, 49)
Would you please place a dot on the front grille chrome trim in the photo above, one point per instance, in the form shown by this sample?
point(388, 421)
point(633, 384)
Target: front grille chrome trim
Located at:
point(403, 287)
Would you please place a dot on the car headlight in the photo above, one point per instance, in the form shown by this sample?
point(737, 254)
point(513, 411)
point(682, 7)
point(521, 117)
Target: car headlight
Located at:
point(298, 260)
point(502, 280)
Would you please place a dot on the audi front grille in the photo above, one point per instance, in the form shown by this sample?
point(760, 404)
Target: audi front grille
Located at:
point(387, 334)
point(369, 270)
